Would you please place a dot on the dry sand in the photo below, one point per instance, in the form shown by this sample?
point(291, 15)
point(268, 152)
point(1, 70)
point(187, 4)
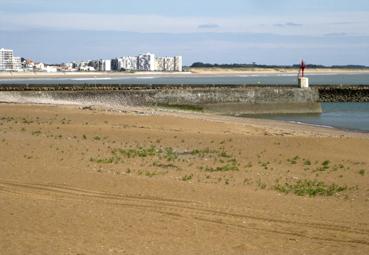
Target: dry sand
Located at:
point(193, 71)
point(93, 181)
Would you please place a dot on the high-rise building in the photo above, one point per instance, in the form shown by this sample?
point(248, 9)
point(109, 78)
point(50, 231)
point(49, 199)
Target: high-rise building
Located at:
point(146, 62)
point(129, 63)
point(178, 64)
point(106, 65)
point(6, 60)
point(168, 64)
point(17, 63)
point(159, 64)
point(143, 62)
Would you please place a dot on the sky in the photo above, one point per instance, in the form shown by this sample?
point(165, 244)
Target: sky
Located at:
point(329, 32)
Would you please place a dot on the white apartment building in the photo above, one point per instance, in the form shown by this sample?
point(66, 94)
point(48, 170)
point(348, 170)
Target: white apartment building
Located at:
point(143, 62)
point(178, 64)
point(160, 64)
point(169, 64)
point(6, 60)
point(146, 62)
point(106, 65)
point(17, 63)
point(128, 63)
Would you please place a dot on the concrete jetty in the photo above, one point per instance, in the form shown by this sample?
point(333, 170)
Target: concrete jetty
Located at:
point(225, 99)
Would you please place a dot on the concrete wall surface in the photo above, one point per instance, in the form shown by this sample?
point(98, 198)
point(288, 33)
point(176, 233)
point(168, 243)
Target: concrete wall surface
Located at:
point(235, 101)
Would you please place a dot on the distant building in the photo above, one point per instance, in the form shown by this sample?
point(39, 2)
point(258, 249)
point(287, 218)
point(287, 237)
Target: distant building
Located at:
point(160, 64)
point(129, 63)
point(51, 69)
point(17, 63)
point(106, 65)
point(143, 62)
point(178, 64)
point(8, 62)
point(146, 62)
point(39, 67)
point(115, 64)
point(168, 64)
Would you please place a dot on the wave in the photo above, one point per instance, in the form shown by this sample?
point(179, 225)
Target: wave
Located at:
point(310, 124)
point(91, 79)
point(146, 78)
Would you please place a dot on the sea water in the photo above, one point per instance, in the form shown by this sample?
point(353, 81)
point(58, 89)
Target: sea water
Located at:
point(254, 79)
point(348, 116)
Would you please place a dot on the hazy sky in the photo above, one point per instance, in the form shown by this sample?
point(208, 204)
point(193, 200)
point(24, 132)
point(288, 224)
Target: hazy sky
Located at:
point(232, 31)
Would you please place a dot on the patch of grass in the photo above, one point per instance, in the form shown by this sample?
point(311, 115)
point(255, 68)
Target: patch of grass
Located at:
point(170, 154)
point(362, 172)
point(140, 152)
point(261, 184)
point(310, 188)
point(326, 163)
point(194, 108)
point(150, 174)
point(230, 166)
point(158, 164)
point(37, 133)
point(293, 161)
point(104, 160)
point(307, 163)
point(187, 177)
point(201, 153)
point(325, 166)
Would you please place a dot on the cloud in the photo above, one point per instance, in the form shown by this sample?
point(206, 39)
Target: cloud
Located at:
point(208, 26)
point(288, 24)
point(336, 34)
point(308, 24)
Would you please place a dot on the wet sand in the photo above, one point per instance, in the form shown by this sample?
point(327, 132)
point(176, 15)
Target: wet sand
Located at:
point(149, 181)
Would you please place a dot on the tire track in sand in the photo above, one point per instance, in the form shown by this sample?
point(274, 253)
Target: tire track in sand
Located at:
point(320, 231)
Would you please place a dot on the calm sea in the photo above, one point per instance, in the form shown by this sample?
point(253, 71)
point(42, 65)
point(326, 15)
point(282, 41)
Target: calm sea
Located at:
point(353, 116)
point(348, 116)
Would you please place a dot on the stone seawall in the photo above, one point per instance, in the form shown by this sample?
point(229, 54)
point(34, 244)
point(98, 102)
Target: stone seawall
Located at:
point(332, 94)
point(233, 100)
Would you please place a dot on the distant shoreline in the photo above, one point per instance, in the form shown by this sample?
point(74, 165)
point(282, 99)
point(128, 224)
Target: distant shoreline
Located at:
point(214, 70)
point(193, 71)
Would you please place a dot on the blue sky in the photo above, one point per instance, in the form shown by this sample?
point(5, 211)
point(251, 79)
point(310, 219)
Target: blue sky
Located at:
point(233, 31)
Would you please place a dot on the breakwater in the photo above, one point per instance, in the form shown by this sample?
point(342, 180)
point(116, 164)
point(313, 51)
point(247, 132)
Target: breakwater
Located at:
point(336, 94)
point(227, 99)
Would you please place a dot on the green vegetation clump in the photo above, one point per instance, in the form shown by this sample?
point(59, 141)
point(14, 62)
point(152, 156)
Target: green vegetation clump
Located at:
point(140, 152)
point(187, 178)
point(170, 154)
point(307, 163)
point(183, 107)
point(230, 166)
point(37, 133)
point(310, 188)
point(362, 172)
point(104, 160)
point(293, 161)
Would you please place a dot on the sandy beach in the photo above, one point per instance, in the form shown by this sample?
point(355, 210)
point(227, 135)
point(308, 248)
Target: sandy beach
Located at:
point(85, 180)
point(191, 72)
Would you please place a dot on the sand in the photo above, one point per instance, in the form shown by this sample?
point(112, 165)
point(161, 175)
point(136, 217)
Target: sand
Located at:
point(192, 72)
point(149, 181)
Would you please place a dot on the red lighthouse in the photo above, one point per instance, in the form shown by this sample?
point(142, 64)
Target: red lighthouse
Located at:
point(302, 69)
